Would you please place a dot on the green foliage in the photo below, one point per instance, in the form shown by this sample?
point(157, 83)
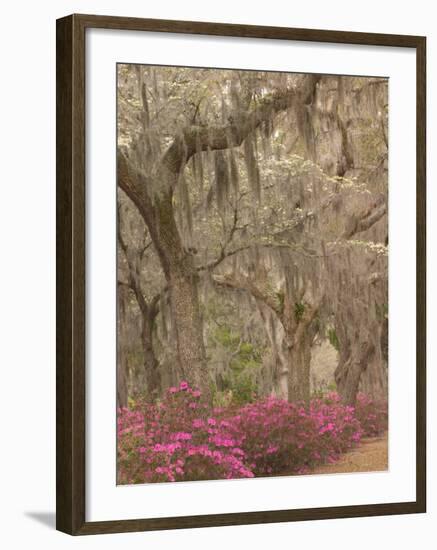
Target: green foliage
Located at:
point(333, 338)
point(241, 387)
point(322, 389)
point(131, 402)
point(244, 353)
point(299, 310)
point(239, 381)
point(280, 296)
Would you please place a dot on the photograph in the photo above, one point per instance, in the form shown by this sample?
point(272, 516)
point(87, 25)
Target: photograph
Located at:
point(216, 218)
point(252, 274)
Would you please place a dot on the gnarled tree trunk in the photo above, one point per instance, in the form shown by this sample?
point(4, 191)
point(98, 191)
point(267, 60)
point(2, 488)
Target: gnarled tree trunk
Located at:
point(182, 277)
point(374, 380)
point(151, 364)
point(299, 367)
point(179, 270)
point(300, 332)
point(350, 368)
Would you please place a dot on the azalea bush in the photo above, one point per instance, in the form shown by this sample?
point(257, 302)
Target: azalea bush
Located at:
point(280, 437)
point(181, 438)
point(372, 415)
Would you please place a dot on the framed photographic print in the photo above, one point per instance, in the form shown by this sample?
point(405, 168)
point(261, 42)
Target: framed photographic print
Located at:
point(240, 274)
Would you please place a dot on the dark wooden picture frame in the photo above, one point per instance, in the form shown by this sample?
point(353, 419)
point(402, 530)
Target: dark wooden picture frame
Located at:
point(71, 246)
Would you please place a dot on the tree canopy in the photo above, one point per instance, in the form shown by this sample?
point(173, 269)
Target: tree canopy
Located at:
point(252, 228)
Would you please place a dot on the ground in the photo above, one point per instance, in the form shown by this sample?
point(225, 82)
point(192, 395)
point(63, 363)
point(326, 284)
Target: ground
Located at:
point(370, 456)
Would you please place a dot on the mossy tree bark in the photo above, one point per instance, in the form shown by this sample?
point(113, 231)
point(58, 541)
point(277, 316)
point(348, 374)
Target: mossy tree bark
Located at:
point(356, 350)
point(300, 330)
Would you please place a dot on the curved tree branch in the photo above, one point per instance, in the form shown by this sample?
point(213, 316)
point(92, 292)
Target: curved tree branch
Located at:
point(249, 286)
point(366, 219)
point(194, 139)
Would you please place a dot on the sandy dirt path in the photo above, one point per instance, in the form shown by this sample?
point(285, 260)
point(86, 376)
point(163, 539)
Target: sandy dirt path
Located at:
point(370, 456)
